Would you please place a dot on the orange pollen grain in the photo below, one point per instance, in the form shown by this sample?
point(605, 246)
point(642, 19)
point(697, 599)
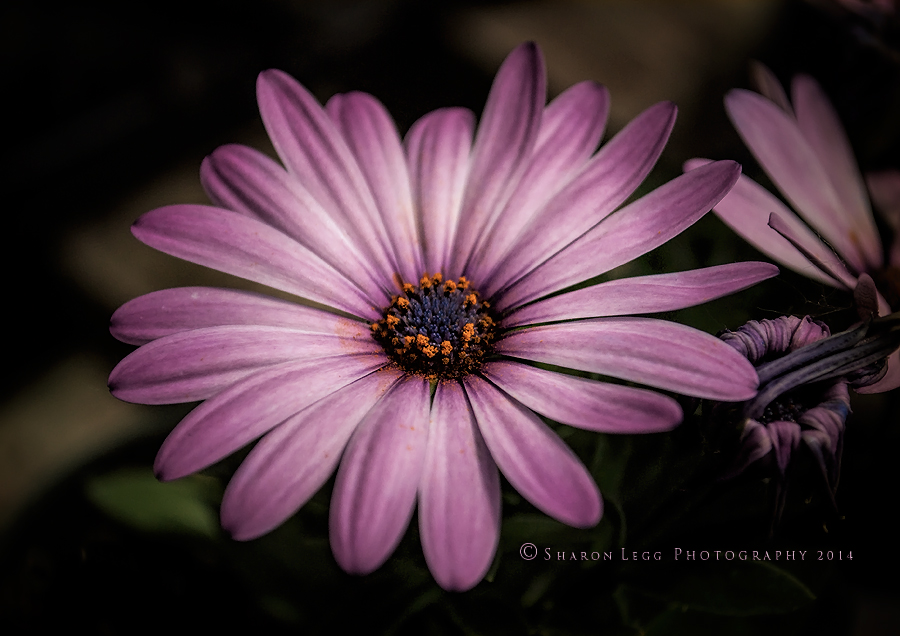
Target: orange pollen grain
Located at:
point(471, 299)
point(421, 341)
point(446, 347)
point(392, 321)
point(403, 303)
point(449, 287)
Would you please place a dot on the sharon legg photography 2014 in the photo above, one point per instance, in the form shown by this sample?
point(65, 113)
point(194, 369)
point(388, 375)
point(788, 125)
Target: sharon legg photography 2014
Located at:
point(454, 318)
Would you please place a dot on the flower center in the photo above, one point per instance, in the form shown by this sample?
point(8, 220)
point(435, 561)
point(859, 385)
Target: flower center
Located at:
point(439, 330)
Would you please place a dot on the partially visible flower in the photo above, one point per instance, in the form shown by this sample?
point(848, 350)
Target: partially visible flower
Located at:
point(803, 398)
point(812, 413)
point(448, 256)
point(803, 149)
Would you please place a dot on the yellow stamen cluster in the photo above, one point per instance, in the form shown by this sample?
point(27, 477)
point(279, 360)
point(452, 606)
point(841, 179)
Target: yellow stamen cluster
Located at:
point(438, 329)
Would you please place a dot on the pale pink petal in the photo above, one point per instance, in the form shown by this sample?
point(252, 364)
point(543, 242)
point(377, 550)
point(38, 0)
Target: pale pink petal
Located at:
point(571, 128)
point(632, 231)
point(644, 294)
point(746, 209)
point(823, 131)
point(459, 495)
point(375, 491)
point(587, 404)
point(162, 313)
point(611, 176)
point(535, 461)
point(294, 460)
point(372, 136)
point(503, 144)
point(316, 153)
point(654, 352)
point(194, 365)
point(769, 86)
point(236, 244)
point(245, 180)
point(824, 260)
point(438, 147)
point(784, 153)
point(251, 407)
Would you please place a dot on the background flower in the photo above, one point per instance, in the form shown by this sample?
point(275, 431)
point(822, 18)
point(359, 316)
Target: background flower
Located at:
point(803, 149)
point(814, 413)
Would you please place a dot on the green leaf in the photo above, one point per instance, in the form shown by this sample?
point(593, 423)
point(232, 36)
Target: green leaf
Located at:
point(534, 528)
point(136, 498)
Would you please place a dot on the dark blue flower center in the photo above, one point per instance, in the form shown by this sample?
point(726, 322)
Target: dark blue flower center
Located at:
point(438, 329)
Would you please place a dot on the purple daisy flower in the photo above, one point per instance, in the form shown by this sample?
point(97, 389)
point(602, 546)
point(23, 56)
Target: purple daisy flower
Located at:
point(812, 413)
point(804, 374)
point(435, 257)
point(805, 152)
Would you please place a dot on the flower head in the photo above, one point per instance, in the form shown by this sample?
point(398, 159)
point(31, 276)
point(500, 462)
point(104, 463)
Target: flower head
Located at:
point(804, 373)
point(814, 413)
point(802, 147)
point(435, 258)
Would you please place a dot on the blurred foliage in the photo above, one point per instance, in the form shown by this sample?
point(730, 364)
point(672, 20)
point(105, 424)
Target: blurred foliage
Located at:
point(135, 497)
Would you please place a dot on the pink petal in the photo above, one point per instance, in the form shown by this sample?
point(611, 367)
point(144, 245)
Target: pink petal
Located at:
point(824, 260)
point(503, 145)
point(653, 352)
point(195, 365)
point(293, 461)
point(611, 176)
point(746, 209)
point(785, 438)
point(769, 86)
point(645, 294)
point(459, 496)
point(594, 406)
point(438, 147)
point(162, 313)
point(375, 491)
point(252, 407)
point(571, 128)
point(535, 461)
point(632, 231)
point(245, 180)
point(823, 131)
point(242, 246)
point(316, 153)
point(776, 141)
point(372, 136)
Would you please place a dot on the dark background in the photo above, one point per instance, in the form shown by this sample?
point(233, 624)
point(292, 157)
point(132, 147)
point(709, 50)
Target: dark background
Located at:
point(106, 101)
